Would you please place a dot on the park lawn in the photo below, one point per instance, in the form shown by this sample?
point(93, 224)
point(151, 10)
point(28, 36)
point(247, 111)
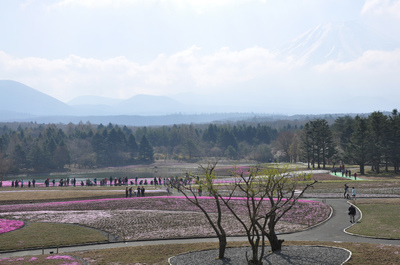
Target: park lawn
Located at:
point(380, 218)
point(37, 235)
point(387, 186)
point(63, 194)
point(362, 253)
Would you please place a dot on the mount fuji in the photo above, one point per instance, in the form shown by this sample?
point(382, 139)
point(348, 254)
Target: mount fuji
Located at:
point(342, 42)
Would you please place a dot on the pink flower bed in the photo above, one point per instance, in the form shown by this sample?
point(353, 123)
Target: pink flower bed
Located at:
point(9, 225)
point(64, 257)
point(65, 260)
point(158, 217)
point(304, 212)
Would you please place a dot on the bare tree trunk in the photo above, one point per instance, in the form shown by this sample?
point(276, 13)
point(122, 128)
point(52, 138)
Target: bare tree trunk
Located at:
point(222, 246)
point(362, 169)
point(275, 243)
point(254, 233)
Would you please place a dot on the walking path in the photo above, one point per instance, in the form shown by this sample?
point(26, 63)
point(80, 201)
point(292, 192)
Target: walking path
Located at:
point(332, 230)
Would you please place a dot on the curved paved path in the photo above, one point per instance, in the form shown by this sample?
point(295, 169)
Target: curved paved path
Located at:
point(332, 230)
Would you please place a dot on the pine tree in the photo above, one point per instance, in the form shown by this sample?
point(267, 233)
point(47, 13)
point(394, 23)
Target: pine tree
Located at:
point(394, 140)
point(358, 149)
point(378, 141)
point(317, 142)
point(306, 146)
point(146, 152)
point(132, 146)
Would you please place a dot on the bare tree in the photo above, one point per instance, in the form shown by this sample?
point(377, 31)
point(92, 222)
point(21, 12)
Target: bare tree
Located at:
point(283, 143)
point(294, 149)
point(262, 187)
point(205, 181)
point(268, 193)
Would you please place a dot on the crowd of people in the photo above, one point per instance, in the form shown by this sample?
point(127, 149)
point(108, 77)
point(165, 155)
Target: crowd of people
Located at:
point(345, 172)
point(130, 191)
point(20, 183)
point(139, 192)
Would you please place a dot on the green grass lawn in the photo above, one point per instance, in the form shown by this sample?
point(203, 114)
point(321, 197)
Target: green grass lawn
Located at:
point(37, 235)
point(380, 218)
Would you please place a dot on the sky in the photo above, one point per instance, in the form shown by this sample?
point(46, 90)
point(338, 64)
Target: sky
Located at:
point(199, 52)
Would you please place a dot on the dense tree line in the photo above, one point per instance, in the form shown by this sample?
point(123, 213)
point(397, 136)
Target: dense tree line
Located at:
point(38, 148)
point(373, 140)
point(317, 143)
point(369, 140)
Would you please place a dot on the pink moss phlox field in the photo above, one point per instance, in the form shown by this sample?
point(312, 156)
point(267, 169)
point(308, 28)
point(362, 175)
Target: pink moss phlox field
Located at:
point(9, 225)
point(64, 257)
point(147, 218)
point(304, 212)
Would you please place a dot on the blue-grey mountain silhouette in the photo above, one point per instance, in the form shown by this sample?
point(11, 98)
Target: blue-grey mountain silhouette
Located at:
point(19, 98)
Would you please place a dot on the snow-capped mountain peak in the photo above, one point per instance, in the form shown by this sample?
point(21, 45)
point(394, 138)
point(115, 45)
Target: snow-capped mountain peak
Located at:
point(344, 41)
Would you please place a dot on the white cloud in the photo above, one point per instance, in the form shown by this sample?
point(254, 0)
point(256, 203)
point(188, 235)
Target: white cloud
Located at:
point(75, 75)
point(375, 63)
point(225, 71)
point(382, 8)
point(199, 5)
point(374, 74)
point(226, 66)
point(95, 3)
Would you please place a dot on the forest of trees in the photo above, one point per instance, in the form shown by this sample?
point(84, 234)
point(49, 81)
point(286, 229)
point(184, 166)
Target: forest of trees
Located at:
point(38, 148)
point(372, 140)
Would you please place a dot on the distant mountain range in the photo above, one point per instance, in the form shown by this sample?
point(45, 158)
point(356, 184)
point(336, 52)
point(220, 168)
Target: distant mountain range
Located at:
point(340, 42)
point(21, 103)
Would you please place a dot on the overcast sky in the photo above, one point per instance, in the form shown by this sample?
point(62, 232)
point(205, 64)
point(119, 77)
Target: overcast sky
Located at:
point(216, 51)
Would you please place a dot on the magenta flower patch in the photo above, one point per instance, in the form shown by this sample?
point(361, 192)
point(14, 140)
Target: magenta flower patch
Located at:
point(64, 257)
point(67, 260)
point(9, 225)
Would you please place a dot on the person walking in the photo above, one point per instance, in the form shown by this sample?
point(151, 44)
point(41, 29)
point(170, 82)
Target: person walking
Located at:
point(346, 192)
point(353, 193)
point(352, 213)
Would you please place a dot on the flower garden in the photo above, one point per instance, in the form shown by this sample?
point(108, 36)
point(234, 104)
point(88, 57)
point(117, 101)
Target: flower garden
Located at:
point(60, 259)
point(143, 218)
point(147, 218)
point(9, 225)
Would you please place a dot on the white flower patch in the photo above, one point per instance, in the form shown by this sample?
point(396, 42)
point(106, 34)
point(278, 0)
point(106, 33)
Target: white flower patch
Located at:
point(60, 216)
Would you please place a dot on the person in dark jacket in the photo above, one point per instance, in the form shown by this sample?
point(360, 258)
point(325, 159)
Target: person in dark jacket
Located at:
point(352, 213)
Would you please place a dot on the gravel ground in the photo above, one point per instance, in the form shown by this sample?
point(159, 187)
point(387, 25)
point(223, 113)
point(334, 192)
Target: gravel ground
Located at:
point(299, 255)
